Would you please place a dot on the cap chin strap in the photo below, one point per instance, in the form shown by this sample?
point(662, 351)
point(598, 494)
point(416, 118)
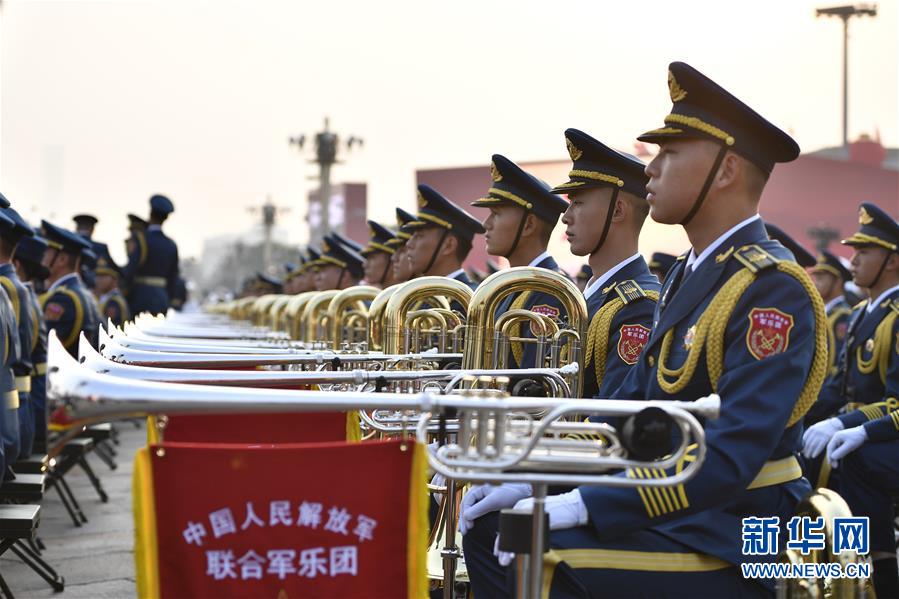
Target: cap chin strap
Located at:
point(706, 186)
point(340, 278)
point(524, 218)
point(880, 270)
point(436, 251)
point(605, 229)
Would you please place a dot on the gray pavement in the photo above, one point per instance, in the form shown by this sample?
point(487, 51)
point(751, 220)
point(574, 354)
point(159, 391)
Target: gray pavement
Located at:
point(97, 559)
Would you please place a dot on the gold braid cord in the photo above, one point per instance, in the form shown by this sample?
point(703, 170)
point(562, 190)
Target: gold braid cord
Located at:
point(712, 325)
point(599, 332)
point(517, 346)
point(880, 356)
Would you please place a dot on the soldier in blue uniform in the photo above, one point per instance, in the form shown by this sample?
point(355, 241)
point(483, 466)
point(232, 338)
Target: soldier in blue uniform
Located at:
point(866, 387)
point(660, 263)
point(378, 254)
point(21, 300)
point(110, 299)
point(830, 275)
point(69, 308)
point(339, 265)
point(28, 260)
point(9, 354)
point(604, 187)
point(608, 187)
point(442, 234)
point(152, 272)
point(737, 316)
point(523, 214)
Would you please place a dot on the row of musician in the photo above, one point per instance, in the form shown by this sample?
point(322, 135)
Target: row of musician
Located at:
point(736, 315)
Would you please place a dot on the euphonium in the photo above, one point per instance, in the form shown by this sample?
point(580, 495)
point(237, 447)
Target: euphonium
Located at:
point(479, 343)
point(293, 314)
point(404, 299)
point(311, 329)
point(339, 309)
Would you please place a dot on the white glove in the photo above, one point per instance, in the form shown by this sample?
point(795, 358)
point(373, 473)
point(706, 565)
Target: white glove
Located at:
point(483, 499)
point(845, 442)
point(565, 511)
point(816, 437)
point(503, 557)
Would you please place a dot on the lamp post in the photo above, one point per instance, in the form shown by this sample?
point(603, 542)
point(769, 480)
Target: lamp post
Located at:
point(845, 13)
point(326, 146)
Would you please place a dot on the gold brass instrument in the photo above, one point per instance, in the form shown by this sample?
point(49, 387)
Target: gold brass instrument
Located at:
point(346, 312)
point(376, 331)
point(829, 505)
point(403, 300)
point(312, 326)
point(293, 314)
point(488, 296)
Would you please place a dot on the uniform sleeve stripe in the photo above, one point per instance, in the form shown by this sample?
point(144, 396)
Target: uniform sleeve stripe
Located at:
point(632, 473)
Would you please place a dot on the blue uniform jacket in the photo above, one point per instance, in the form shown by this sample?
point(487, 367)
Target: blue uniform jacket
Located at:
point(768, 349)
point(860, 385)
point(630, 327)
point(21, 301)
point(152, 281)
point(69, 309)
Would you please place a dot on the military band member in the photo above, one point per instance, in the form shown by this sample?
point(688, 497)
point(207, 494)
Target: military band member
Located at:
point(442, 234)
point(867, 388)
point(9, 355)
point(378, 254)
point(660, 263)
point(28, 260)
point(401, 263)
point(523, 214)
point(152, 276)
point(339, 266)
point(69, 308)
point(830, 275)
point(737, 316)
point(606, 211)
point(266, 284)
point(10, 235)
point(110, 299)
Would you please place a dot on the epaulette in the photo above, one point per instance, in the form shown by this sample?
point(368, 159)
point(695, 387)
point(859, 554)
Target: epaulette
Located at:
point(754, 258)
point(860, 305)
point(895, 306)
point(629, 291)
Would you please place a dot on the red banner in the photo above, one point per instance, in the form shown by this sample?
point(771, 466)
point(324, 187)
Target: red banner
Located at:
point(311, 520)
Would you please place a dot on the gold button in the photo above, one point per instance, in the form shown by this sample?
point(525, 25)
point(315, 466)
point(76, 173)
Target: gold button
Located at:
point(652, 361)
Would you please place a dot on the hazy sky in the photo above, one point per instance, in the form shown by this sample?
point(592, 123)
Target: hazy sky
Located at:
point(106, 102)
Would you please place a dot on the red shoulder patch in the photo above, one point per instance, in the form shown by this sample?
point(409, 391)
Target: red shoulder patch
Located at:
point(53, 311)
point(769, 332)
point(632, 339)
point(546, 310)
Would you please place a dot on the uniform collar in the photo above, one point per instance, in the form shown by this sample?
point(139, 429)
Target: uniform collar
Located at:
point(154, 228)
point(833, 304)
point(693, 261)
point(872, 305)
point(536, 261)
point(457, 274)
point(6, 267)
point(62, 280)
point(600, 281)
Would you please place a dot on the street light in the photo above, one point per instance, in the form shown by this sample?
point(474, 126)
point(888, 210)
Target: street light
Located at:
point(845, 13)
point(326, 145)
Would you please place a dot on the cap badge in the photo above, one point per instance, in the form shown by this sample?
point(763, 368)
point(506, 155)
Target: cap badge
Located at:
point(677, 92)
point(573, 150)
